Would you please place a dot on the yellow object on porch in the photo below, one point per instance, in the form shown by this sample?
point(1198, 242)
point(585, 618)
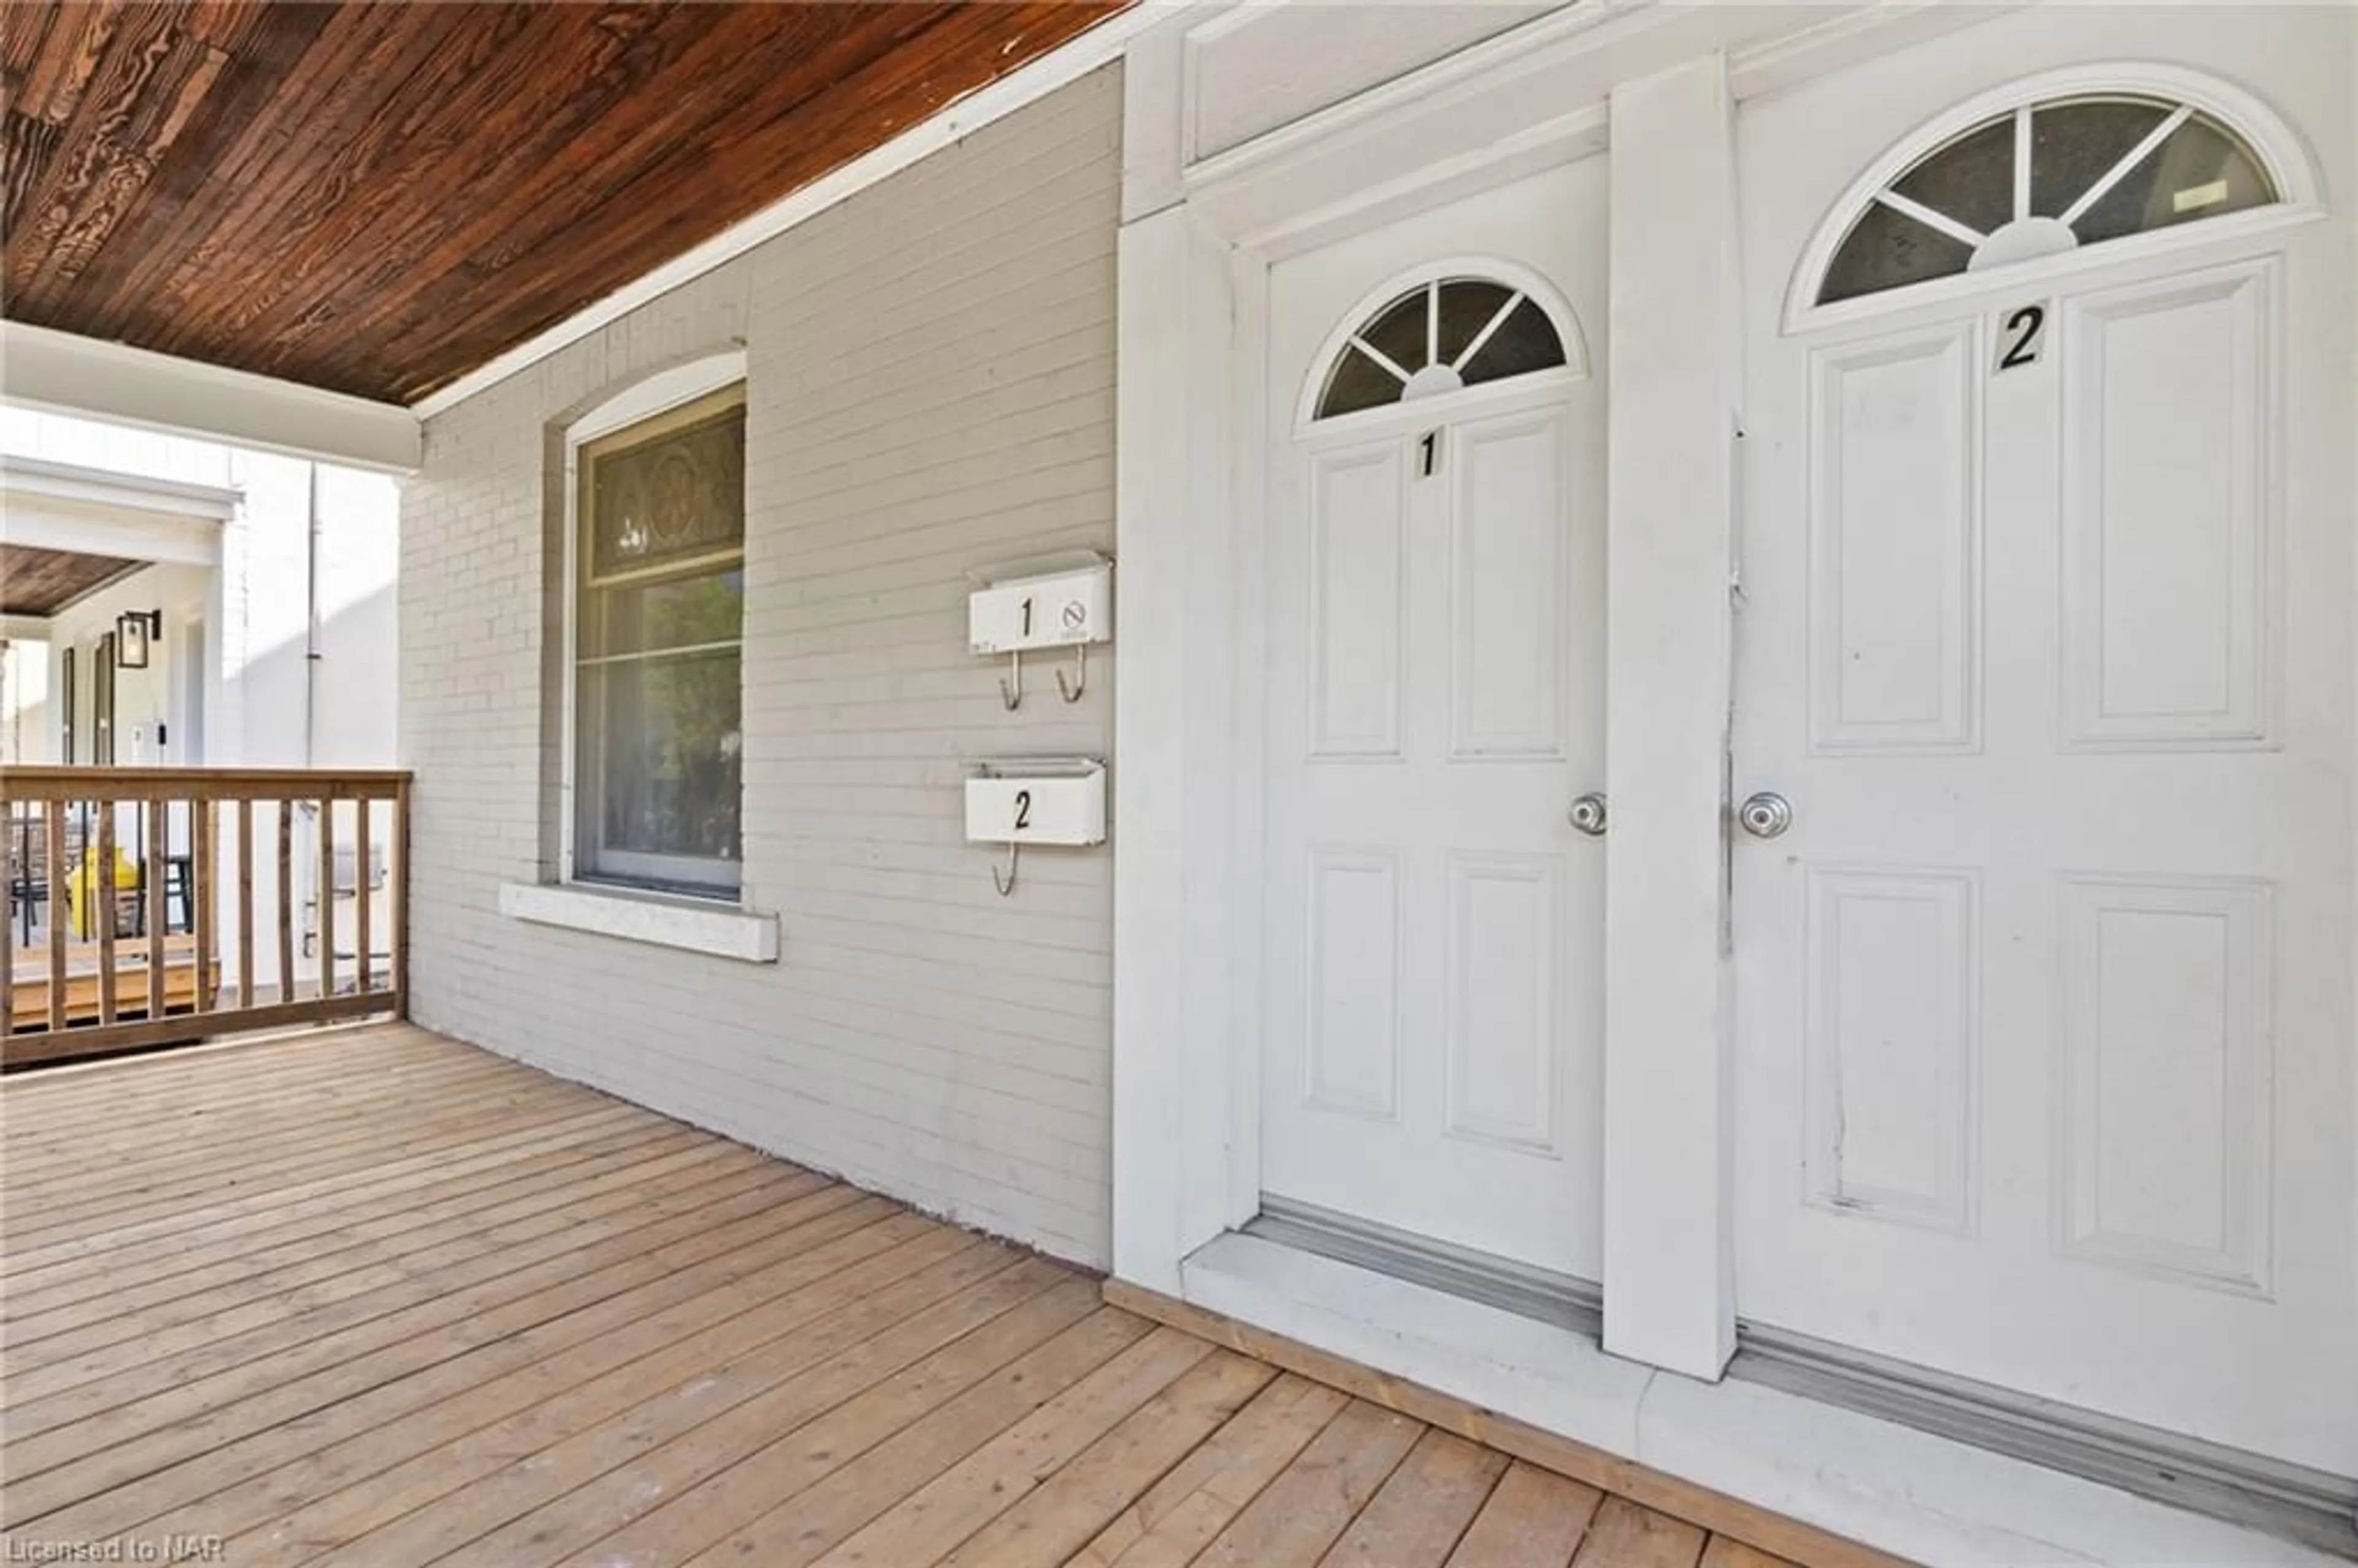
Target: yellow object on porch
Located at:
point(85, 875)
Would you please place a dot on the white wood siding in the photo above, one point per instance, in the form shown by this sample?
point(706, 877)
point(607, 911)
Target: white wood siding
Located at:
point(930, 390)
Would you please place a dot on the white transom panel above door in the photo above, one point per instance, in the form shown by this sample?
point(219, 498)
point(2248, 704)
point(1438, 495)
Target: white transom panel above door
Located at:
point(2043, 1015)
point(1430, 941)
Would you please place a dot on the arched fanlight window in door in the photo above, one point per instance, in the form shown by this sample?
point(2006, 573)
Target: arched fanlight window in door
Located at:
point(1441, 336)
point(2043, 178)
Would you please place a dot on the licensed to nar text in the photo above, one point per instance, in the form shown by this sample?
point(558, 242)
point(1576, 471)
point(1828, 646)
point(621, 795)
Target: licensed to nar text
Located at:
point(116, 1549)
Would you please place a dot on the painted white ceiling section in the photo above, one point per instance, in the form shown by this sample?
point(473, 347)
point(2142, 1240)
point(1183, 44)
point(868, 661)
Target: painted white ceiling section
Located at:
point(1491, 110)
point(60, 506)
point(72, 374)
point(1270, 64)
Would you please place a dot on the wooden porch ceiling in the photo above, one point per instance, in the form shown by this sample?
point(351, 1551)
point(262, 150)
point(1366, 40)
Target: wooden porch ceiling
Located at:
point(35, 581)
point(376, 199)
point(372, 1297)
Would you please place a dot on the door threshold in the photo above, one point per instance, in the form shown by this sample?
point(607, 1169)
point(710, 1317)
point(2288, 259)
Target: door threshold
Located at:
point(1563, 1300)
point(1925, 1493)
point(2292, 1502)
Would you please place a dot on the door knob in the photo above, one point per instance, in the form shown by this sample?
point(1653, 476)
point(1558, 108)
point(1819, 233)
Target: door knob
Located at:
point(1764, 815)
point(1588, 814)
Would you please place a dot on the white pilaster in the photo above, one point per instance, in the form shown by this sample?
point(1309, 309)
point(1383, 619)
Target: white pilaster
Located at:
point(1173, 731)
point(1669, 1123)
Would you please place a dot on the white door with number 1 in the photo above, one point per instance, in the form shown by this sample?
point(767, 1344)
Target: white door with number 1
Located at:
point(1434, 633)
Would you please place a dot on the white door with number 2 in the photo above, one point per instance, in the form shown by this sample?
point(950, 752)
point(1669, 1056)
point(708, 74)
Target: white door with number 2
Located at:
point(2043, 1020)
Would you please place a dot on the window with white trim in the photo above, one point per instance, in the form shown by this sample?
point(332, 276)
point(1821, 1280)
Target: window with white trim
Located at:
point(1441, 336)
point(659, 559)
point(2044, 178)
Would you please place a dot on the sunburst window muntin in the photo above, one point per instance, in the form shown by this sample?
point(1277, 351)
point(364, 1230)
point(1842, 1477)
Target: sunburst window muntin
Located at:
point(2138, 214)
point(1454, 328)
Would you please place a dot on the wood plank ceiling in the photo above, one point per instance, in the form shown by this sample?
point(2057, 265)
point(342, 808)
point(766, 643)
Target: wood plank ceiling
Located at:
point(34, 582)
point(376, 199)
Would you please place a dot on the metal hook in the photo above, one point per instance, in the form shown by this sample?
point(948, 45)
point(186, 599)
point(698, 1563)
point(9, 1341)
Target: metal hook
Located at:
point(1012, 699)
point(1073, 693)
point(1014, 853)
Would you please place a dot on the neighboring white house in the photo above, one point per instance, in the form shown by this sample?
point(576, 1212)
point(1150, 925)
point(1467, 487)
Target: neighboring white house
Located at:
point(262, 587)
point(1730, 721)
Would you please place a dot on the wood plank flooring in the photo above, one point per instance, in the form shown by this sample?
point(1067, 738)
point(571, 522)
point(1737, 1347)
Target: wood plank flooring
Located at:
point(373, 1297)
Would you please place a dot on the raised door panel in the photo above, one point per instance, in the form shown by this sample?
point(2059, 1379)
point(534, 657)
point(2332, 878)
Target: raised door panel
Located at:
point(2166, 483)
point(1892, 1043)
point(1505, 1013)
point(1353, 1030)
point(1895, 544)
point(1506, 587)
point(2165, 1074)
point(1359, 611)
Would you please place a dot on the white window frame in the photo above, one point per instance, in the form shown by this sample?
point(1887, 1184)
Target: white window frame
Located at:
point(658, 394)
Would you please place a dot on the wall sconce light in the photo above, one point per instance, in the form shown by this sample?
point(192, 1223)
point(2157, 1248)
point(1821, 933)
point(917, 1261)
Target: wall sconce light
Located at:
point(134, 630)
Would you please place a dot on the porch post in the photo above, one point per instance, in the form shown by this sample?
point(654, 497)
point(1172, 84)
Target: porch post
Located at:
point(1174, 716)
point(1675, 331)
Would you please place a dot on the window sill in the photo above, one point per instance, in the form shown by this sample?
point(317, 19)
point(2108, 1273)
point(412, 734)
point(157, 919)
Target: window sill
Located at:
point(691, 926)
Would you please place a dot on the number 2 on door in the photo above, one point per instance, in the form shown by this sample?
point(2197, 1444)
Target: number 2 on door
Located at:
point(2021, 336)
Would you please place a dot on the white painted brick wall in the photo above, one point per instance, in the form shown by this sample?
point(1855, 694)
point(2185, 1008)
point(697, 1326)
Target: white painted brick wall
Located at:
point(930, 390)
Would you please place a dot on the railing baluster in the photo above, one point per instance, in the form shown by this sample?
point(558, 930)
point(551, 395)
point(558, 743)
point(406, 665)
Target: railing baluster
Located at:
point(158, 813)
point(327, 899)
point(55, 828)
point(200, 898)
point(19, 870)
point(285, 901)
point(101, 907)
point(244, 902)
point(397, 877)
point(364, 853)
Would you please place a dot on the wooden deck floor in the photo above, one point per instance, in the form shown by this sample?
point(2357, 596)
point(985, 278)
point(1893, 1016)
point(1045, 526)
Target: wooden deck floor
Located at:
point(375, 1297)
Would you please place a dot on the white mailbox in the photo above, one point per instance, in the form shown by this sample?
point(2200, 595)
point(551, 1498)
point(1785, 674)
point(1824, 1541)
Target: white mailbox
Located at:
point(1037, 801)
point(1034, 800)
point(1048, 610)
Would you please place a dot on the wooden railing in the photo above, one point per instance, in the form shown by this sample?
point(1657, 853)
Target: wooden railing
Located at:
point(152, 906)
